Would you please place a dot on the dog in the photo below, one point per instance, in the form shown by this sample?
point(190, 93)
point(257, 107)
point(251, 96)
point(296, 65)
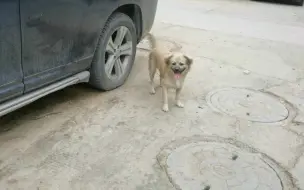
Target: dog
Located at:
point(173, 68)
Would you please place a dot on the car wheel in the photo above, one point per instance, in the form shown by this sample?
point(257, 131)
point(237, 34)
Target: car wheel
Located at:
point(115, 53)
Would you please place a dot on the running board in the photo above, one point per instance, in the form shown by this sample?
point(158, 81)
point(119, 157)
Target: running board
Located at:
point(26, 99)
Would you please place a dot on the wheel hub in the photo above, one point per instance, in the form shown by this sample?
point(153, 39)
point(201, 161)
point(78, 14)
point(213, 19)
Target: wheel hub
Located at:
point(118, 51)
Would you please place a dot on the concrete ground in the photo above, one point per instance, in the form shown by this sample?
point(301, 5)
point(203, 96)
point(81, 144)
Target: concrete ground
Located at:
point(242, 126)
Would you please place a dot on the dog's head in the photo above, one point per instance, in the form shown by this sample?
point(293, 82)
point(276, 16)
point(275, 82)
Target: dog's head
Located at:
point(179, 64)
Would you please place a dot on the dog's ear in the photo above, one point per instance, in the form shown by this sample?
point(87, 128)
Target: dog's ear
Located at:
point(168, 58)
point(189, 60)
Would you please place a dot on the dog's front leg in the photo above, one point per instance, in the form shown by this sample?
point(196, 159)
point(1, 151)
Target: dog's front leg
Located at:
point(177, 98)
point(165, 98)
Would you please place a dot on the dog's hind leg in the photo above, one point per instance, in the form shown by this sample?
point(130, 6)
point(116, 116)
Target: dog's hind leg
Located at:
point(152, 70)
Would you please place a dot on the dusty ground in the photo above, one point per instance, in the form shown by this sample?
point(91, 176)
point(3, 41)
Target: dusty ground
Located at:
point(242, 126)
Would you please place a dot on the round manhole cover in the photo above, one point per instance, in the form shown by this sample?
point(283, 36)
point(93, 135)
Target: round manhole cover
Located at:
point(221, 164)
point(247, 104)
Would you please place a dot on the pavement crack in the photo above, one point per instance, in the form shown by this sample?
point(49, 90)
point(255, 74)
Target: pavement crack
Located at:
point(284, 83)
point(45, 115)
point(299, 154)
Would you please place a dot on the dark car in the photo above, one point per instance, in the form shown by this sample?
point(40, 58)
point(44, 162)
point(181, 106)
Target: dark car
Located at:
point(47, 45)
point(300, 2)
point(295, 2)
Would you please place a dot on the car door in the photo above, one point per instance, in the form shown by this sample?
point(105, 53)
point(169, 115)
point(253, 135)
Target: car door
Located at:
point(11, 84)
point(57, 40)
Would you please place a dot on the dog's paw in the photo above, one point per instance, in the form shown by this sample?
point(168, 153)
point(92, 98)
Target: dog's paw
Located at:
point(179, 104)
point(152, 91)
point(165, 108)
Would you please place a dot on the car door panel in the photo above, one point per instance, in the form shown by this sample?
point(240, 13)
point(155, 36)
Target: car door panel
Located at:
point(11, 76)
point(55, 44)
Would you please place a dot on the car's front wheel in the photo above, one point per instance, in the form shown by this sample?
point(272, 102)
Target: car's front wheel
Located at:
point(115, 53)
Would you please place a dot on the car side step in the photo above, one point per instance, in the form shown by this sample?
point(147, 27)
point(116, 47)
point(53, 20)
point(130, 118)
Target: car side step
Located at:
point(23, 100)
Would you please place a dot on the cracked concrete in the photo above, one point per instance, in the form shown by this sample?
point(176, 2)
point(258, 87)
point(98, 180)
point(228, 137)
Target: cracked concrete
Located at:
point(79, 138)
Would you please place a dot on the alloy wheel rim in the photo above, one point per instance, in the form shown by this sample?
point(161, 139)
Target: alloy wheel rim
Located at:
point(119, 50)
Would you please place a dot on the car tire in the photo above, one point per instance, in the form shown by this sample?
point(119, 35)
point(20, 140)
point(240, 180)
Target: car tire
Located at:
point(113, 61)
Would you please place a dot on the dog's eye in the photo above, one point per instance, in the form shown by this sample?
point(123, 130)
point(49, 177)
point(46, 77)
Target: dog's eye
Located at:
point(174, 64)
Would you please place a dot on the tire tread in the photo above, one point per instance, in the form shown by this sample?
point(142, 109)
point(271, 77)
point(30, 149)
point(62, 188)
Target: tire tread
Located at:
point(98, 79)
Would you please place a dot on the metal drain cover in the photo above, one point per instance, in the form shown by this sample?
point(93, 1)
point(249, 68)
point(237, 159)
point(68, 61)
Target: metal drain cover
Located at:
point(247, 104)
point(220, 164)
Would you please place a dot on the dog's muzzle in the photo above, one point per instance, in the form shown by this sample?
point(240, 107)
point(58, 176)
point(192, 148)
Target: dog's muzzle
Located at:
point(178, 70)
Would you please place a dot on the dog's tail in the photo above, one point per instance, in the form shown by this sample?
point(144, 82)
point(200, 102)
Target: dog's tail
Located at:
point(152, 40)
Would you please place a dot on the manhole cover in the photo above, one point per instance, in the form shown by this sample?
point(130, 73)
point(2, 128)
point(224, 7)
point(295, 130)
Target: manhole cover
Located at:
point(247, 104)
point(221, 164)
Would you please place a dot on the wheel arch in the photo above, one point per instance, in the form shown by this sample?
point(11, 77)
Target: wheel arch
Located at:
point(135, 13)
